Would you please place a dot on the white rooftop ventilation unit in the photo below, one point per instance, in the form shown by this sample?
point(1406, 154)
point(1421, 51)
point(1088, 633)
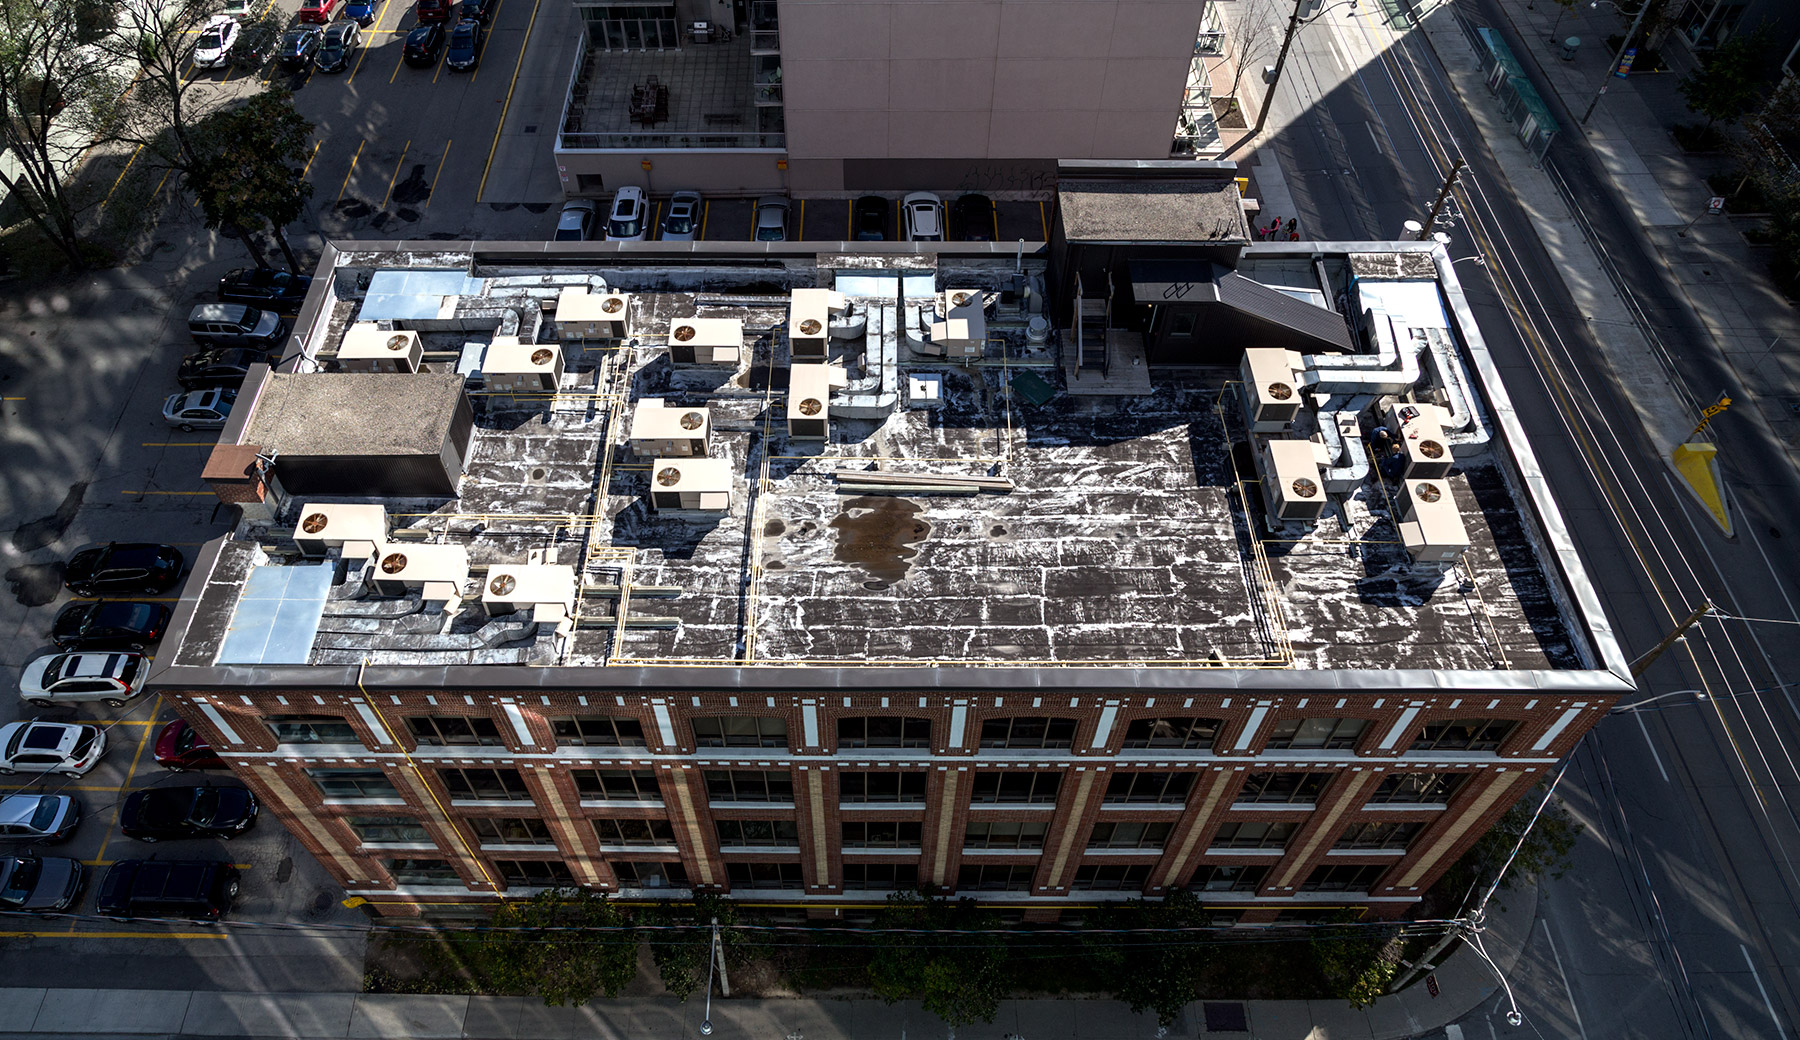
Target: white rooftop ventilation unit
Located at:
point(963, 332)
point(437, 571)
point(706, 341)
point(659, 430)
point(366, 347)
point(511, 366)
point(1292, 487)
point(322, 528)
point(1420, 433)
point(700, 484)
point(809, 400)
point(545, 589)
point(584, 315)
point(1430, 522)
point(809, 322)
point(1272, 388)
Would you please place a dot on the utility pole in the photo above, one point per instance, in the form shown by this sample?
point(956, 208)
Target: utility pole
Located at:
point(1274, 76)
point(1437, 208)
point(1427, 962)
point(718, 952)
point(1639, 666)
point(1624, 45)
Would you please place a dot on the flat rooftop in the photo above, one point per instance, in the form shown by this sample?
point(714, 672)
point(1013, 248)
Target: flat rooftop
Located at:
point(1122, 531)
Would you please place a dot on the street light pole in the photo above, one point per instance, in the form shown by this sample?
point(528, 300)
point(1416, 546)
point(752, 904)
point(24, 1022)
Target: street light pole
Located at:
point(1287, 43)
point(1624, 45)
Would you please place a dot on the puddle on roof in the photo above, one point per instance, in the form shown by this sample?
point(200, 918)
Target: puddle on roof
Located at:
point(878, 533)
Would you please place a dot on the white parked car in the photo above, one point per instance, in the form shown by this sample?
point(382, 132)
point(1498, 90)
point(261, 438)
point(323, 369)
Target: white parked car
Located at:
point(924, 217)
point(37, 746)
point(770, 222)
point(575, 221)
point(38, 817)
point(213, 49)
point(88, 676)
point(199, 409)
point(629, 219)
point(682, 222)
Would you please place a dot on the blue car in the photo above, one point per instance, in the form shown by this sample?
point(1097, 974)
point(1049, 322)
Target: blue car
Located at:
point(362, 12)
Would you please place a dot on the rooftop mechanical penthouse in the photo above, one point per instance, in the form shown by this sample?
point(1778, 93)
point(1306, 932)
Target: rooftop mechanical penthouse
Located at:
point(1048, 575)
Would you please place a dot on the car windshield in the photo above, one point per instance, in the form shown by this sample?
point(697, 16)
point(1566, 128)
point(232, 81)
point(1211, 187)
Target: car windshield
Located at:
point(211, 40)
point(295, 41)
point(128, 673)
point(21, 877)
point(679, 223)
point(85, 741)
point(45, 816)
point(625, 228)
point(462, 36)
point(137, 616)
point(186, 741)
point(206, 806)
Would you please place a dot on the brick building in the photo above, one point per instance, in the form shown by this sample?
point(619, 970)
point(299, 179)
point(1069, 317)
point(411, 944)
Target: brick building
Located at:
point(1113, 661)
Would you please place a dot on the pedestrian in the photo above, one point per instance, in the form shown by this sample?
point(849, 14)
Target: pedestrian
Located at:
point(1293, 225)
point(1274, 225)
point(1293, 236)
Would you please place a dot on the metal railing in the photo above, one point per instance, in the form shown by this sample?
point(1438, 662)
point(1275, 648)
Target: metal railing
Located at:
point(1209, 44)
point(675, 139)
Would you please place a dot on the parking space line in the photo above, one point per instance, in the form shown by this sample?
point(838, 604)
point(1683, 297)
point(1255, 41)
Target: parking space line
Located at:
point(122, 171)
point(351, 170)
point(997, 225)
point(440, 171)
point(136, 757)
point(800, 232)
point(304, 170)
point(655, 222)
point(507, 106)
point(1043, 218)
point(849, 219)
point(705, 211)
point(396, 177)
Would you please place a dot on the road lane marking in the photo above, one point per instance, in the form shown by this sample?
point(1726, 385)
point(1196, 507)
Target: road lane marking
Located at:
point(440, 171)
point(1767, 1003)
point(507, 105)
point(1573, 1010)
point(351, 170)
point(314, 154)
point(396, 176)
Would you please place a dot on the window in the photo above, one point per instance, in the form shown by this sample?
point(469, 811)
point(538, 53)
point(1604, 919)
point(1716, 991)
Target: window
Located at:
point(534, 873)
point(650, 875)
point(598, 731)
point(1004, 834)
point(740, 731)
point(1252, 834)
point(634, 832)
point(863, 788)
point(311, 729)
point(740, 834)
point(618, 785)
point(1283, 788)
point(371, 829)
point(765, 875)
point(486, 784)
point(1335, 734)
point(880, 876)
point(1172, 733)
point(992, 877)
point(1343, 878)
point(1129, 835)
point(511, 830)
point(1464, 735)
point(1011, 788)
point(353, 783)
point(1159, 788)
point(1382, 836)
point(422, 872)
point(632, 27)
point(748, 785)
point(877, 731)
point(1211, 878)
point(1027, 731)
point(433, 730)
point(881, 834)
point(1417, 788)
point(1111, 876)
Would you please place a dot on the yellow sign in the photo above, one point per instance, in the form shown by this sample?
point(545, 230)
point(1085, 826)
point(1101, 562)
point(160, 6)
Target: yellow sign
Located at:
point(353, 902)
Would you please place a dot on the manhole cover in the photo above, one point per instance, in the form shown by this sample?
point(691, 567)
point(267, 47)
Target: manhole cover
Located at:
point(531, 128)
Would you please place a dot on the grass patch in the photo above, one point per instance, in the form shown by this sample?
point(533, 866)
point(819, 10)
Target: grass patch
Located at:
point(1746, 199)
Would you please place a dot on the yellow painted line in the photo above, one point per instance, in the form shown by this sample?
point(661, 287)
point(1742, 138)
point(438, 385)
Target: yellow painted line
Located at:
point(655, 223)
point(136, 758)
point(1043, 217)
point(12, 398)
point(849, 218)
point(507, 106)
point(374, 27)
point(443, 54)
point(705, 211)
point(159, 184)
point(121, 935)
point(165, 492)
point(398, 62)
point(351, 170)
point(997, 225)
point(99, 862)
point(440, 171)
point(800, 228)
point(314, 154)
point(117, 180)
point(396, 177)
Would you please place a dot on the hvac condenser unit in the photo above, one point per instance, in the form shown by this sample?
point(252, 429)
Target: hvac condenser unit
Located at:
point(367, 347)
point(1292, 487)
point(963, 332)
point(581, 314)
point(545, 589)
point(706, 341)
point(1271, 387)
point(1430, 522)
point(322, 528)
point(703, 484)
point(659, 430)
point(513, 367)
point(809, 400)
point(809, 322)
point(1417, 429)
point(437, 571)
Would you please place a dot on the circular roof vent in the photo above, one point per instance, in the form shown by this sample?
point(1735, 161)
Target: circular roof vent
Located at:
point(1431, 449)
point(542, 356)
point(612, 305)
point(668, 476)
point(1280, 391)
point(683, 333)
point(397, 342)
point(810, 327)
point(314, 523)
point(393, 563)
point(503, 584)
point(958, 299)
point(1427, 492)
point(811, 406)
point(1304, 488)
point(692, 421)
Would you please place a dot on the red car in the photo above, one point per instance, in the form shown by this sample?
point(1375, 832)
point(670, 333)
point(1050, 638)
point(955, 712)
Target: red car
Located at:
point(179, 746)
point(434, 11)
point(316, 10)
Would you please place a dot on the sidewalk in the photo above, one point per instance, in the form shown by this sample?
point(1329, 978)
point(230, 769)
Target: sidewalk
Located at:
point(1463, 983)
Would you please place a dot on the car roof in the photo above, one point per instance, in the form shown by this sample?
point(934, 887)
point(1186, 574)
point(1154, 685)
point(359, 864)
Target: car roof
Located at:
point(88, 664)
point(339, 28)
point(49, 736)
point(20, 808)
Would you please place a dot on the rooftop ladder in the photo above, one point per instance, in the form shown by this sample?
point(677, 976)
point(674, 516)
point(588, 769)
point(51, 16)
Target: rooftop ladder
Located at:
point(1093, 316)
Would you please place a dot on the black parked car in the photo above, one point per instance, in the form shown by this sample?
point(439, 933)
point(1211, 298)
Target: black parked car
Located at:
point(166, 813)
point(207, 369)
point(480, 10)
point(266, 288)
point(871, 218)
point(336, 48)
point(974, 217)
point(111, 625)
point(197, 889)
point(123, 567)
point(423, 45)
point(298, 46)
point(465, 45)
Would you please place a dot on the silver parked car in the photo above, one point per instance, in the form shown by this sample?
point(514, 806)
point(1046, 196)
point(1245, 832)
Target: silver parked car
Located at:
point(576, 221)
point(199, 409)
point(771, 221)
point(45, 884)
point(38, 817)
point(682, 222)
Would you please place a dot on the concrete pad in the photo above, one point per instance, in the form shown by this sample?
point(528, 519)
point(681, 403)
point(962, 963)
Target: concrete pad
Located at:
point(21, 1005)
point(501, 1017)
point(875, 1020)
point(667, 1020)
point(269, 1014)
point(68, 1011)
point(1094, 1020)
point(1282, 1020)
point(1393, 1017)
point(378, 1016)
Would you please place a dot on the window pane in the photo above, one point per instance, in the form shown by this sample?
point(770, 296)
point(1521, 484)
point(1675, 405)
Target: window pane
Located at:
point(650, 875)
point(1110, 876)
point(497, 784)
point(1228, 878)
point(534, 873)
point(765, 875)
point(1418, 788)
point(511, 831)
point(1160, 788)
point(421, 871)
point(311, 729)
point(740, 731)
point(863, 788)
point(1464, 734)
point(863, 876)
point(883, 731)
point(353, 783)
point(1283, 788)
point(748, 785)
point(1172, 733)
point(387, 828)
point(625, 785)
point(598, 731)
point(1027, 732)
point(755, 833)
point(1325, 733)
point(996, 877)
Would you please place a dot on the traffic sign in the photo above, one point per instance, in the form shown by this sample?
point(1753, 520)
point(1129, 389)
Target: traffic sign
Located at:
point(1716, 204)
point(1431, 986)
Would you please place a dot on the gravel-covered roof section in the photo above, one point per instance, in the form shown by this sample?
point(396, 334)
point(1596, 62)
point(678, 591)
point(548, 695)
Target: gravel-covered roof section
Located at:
point(354, 413)
point(1151, 211)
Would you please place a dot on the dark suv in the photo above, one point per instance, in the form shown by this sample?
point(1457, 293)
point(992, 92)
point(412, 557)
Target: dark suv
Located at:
point(198, 889)
point(123, 567)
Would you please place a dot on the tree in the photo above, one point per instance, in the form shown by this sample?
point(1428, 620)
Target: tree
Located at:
point(1159, 973)
point(1544, 853)
point(955, 972)
point(1728, 80)
point(545, 944)
point(1247, 37)
point(681, 952)
point(1353, 958)
point(248, 166)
